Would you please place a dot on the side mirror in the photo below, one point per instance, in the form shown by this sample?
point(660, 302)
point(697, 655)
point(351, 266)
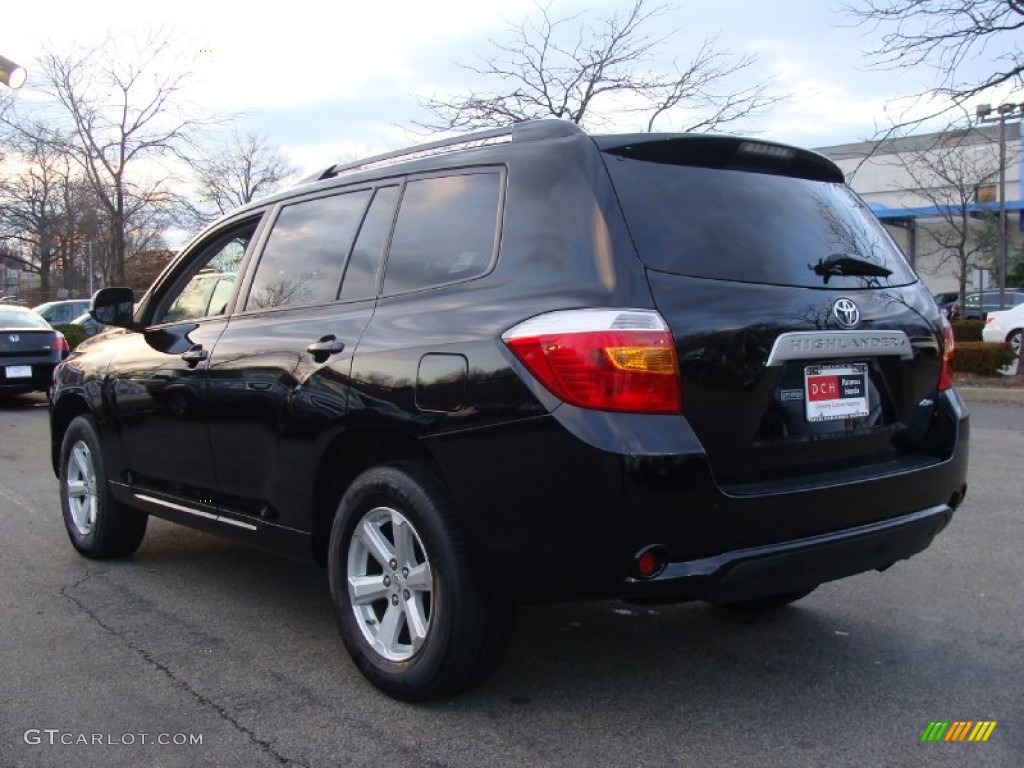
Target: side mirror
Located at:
point(114, 306)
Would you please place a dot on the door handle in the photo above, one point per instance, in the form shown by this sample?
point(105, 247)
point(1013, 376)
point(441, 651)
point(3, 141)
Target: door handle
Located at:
point(195, 355)
point(325, 347)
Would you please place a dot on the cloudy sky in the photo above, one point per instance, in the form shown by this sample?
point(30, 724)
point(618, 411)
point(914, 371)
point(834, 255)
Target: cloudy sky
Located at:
point(330, 81)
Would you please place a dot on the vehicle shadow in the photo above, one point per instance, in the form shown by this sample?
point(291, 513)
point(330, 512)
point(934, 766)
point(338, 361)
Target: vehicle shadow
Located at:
point(21, 402)
point(584, 652)
point(256, 634)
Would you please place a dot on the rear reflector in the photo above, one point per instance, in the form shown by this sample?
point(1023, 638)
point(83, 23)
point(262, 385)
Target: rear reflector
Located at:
point(604, 359)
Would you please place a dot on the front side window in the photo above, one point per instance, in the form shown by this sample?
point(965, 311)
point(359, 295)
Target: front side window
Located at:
point(445, 231)
point(210, 282)
point(306, 252)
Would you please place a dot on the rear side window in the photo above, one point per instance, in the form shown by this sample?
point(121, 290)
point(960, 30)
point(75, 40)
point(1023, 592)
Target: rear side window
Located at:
point(727, 224)
point(445, 232)
point(364, 265)
point(305, 254)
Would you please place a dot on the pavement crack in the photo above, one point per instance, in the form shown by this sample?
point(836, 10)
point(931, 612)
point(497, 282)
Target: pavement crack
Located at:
point(266, 746)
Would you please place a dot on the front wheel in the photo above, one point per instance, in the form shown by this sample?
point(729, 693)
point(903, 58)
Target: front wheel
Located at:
point(98, 525)
point(411, 612)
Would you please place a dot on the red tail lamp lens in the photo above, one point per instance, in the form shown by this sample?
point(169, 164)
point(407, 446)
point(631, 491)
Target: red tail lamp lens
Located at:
point(948, 350)
point(583, 359)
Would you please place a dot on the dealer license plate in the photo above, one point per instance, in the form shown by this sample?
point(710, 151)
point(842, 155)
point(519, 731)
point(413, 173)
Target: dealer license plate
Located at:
point(19, 371)
point(836, 391)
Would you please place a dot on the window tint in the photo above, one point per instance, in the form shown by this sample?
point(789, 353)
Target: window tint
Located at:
point(305, 254)
point(445, 231)
point(751, 227)
point(364, 264)
point(212, 279)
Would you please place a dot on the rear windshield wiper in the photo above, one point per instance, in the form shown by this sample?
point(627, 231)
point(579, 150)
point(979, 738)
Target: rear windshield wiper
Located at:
point(842, 264)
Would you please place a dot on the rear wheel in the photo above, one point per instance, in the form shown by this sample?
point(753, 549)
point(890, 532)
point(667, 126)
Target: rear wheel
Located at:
point(1014, 340)
point(98, 525)
point(411, 612)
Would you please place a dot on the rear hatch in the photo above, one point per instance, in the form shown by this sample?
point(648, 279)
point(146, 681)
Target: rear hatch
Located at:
point(808, 348)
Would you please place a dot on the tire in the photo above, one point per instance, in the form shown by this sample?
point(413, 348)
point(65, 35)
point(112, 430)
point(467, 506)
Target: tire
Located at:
point(98, 525)
point(1014, 341)
point(768, 602)
point(412, 615)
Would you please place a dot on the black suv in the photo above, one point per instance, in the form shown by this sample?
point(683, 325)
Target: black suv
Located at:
point(529, 364)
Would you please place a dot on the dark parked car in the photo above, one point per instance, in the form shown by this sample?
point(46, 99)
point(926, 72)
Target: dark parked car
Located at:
point(527, 365)
point(976, 306)
point(62, 312)
point(29, 350)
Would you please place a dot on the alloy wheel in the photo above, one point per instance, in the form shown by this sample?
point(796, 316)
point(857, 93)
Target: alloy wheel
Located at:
point(81, 488)
point(390, 584)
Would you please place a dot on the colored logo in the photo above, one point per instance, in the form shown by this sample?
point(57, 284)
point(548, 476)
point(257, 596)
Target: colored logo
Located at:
point(959, 730)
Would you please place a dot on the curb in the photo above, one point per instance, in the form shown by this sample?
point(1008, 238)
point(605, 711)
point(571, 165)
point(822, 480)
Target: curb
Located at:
point(998, 395)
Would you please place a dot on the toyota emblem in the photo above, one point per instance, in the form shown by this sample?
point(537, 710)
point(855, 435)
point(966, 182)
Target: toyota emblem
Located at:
point(846, 313)
point(15, 338)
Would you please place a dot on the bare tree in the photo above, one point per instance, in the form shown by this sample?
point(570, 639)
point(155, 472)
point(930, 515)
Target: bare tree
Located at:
point(585, 69)
point(32, 201)
point(949, 173)
point(118, 109)
point(242, 169)
point(949, 36)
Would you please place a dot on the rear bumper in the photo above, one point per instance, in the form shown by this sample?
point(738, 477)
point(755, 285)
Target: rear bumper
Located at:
point(40, 380)
point(562, 514)
point(793, 565)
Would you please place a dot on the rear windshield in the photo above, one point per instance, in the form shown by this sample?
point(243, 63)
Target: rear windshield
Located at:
point(751, 227)
point(20, 319)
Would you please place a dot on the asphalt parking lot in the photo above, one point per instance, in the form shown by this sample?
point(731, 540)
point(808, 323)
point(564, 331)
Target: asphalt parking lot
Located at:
point(198, 651)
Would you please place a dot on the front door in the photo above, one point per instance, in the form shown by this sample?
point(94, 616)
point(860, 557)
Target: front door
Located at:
point(159, 395)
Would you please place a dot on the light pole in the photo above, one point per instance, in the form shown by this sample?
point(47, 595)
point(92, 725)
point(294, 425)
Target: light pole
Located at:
point(11, 74)
point(1003, 112)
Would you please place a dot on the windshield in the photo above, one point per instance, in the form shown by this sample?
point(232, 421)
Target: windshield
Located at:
point(738, 225)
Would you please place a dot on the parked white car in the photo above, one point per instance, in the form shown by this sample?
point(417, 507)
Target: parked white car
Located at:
point(1005, 326)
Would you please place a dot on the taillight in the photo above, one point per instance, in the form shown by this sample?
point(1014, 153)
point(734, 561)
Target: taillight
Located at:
point(605, 359)
point(948, 348)
point(62, 345)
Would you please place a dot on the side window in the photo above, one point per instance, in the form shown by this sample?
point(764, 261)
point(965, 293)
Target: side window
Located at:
point(445, 231)
point(360, 280)
point(305, 255)
point(209, 283)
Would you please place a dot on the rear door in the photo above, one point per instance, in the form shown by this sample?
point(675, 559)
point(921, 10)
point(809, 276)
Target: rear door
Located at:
point(805, 341)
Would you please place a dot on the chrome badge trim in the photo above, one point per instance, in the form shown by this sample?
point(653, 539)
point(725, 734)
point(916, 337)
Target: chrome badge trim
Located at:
point(812, 345)
point(846, 312)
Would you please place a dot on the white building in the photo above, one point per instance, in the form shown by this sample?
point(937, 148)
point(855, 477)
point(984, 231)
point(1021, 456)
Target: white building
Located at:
point(937, 194)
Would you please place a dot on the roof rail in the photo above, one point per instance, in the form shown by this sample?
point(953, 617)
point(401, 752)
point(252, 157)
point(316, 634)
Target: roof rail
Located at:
point(528, 130)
